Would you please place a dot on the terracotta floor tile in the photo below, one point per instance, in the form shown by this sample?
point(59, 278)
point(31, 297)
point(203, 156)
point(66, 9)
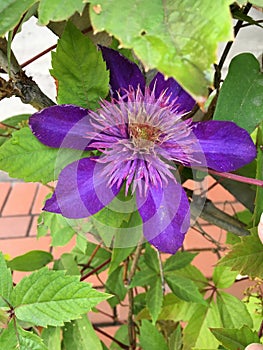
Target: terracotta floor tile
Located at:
point(239, 288)
point(4, 189)
point(98, 317)
point(20, 199)
point(11, 227)
point(19, 246)
point(39, 199)
point(194, 239)
point(230, 208)
point(33, 226)
point(220, 194)
point(205, 261)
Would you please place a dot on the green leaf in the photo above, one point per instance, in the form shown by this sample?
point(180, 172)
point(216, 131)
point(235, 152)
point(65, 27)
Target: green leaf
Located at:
point(122, 336)
point(29, 340)
point(11, 11)
point(150, 338)
point(58, 10)
point(191, 272)
point(178, 261)
point(14, 337)
point(254, 2)
point(257, 2)
point(144, 277)
point(60, 228)
point(233, 312)
point(17, 121)
point(52, 337)
point(179, 38)
point(118, 256)
point(234, 339)
point(80, 70)
point(67, 263)
point(240, 98)
point(154, 299)
point(244, 216)
point(176, 309)
point(52, 298)
point(118, 225)
point(24, 157)
point(223, 277)
point(184, 289)
point(6, 282)
point(115, 286)
point(82, 258)
point(175, 340)
point(246, 257)
point(151, 258)
point(196, 333)
point(80, 335)
point(238, 14)
point(31, 261)
point(254, 310)
point(259, 175)
point(8, 338)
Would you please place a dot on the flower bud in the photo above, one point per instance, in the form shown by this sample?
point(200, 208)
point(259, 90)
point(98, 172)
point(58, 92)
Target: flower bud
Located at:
point(260, 228)
point(254, 346)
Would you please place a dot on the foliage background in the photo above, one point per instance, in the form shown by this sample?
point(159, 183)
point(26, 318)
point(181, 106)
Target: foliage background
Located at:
point(210, 321)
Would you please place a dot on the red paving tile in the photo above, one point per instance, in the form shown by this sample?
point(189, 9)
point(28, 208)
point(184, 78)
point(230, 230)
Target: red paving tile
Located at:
point(220, 194)
point(19, 246)
point(20, 199)
point(195, 240)
point(39, 199)
point(32, 232)
point(4, 189)
point(11, 227)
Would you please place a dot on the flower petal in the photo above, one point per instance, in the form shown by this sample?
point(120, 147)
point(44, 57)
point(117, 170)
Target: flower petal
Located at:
point(166, 216)
point(81, 190)
point(123, 72)
point(226, 146)
point(183, 101)
point(62, 126)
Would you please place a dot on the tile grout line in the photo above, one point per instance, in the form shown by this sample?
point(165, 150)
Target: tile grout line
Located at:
point(32, 216)
point(34, 199)
point(6, 199)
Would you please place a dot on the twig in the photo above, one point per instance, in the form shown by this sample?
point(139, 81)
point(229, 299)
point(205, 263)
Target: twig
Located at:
point(210, 213)
point(95, 270)
point(121, 345)
point(20, 84)
point(91, 258)
point(131, 328)
point(33, 59)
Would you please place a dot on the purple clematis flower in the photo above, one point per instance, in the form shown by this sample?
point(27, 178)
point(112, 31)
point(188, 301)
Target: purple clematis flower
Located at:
point(140, 135)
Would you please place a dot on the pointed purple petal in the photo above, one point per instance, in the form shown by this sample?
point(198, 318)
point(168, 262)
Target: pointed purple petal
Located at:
point(183, 101)
point(226, 146)
point(81, 190)
point(62, 126)
point(123, 73)
point(166, 216)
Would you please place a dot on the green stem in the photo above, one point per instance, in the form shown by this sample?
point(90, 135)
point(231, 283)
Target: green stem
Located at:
point(131, 325)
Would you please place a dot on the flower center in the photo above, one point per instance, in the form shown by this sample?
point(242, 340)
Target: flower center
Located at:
point(143, 136)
